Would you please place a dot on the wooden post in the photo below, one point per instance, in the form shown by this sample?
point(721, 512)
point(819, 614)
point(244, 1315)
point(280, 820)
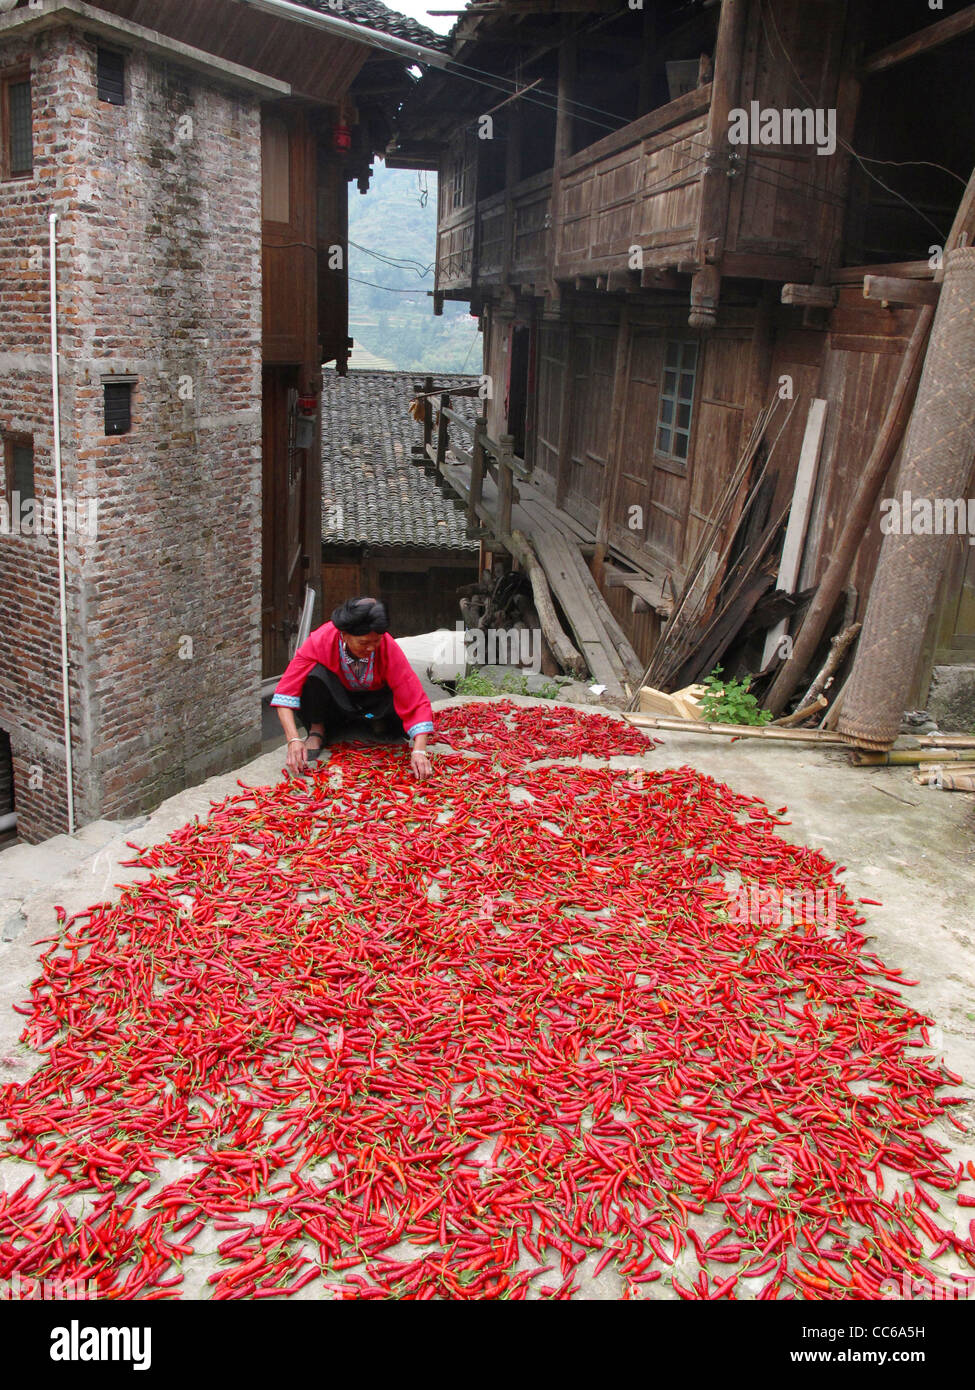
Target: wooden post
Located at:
point(477, 476)
point(611, 478)
point(716, 190)
point(512, 168)
point(443, 425)
point(505, 484)
point(427, 416)
point(565, 416)
point(563, 147)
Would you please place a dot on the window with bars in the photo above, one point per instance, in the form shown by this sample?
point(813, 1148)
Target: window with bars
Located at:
point(17, 123)
point(677, 399)
point(111, 76)
point(118, 407)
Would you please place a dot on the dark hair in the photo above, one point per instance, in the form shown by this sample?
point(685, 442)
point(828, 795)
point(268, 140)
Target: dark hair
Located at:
point(359, 616)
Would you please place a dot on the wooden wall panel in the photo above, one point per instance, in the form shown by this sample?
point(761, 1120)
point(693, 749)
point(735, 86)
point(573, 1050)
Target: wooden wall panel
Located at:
point(592, 394)
point(552, 364)
point(721, 396)
point(779, 205)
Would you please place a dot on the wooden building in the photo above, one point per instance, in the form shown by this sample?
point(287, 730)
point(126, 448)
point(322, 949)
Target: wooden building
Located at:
point(666, 218)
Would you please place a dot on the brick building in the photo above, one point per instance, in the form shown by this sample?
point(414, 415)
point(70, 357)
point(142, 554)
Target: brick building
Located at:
point(176, 160)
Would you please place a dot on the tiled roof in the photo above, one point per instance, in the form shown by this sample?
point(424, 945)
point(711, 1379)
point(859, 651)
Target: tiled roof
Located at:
point(373, 15)
point(371, 493)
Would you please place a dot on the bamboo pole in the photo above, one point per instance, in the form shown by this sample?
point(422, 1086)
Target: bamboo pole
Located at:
point(913, 757)
point(698, 726)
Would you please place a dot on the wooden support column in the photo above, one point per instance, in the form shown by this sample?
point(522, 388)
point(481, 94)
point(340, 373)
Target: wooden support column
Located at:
point(477, 477)
point(611, 478)
point(565, 416)
point(563, 148)
point(427, 416)
point(443, 425)
point(505, 484)
point(512, 173)
point(716, 192)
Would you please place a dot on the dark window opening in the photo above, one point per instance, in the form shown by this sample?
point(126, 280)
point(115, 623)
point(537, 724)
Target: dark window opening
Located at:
point(518, 386)
point(676, 399)
point(111, 76)
point(8, 832)
point(118, 407)
point(18, 136)
point(904, 195)
point(18, 467)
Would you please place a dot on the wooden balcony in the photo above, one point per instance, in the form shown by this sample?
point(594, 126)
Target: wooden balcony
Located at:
point(642, 185)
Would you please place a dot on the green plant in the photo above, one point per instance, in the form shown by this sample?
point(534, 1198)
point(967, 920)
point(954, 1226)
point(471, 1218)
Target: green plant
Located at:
point(475, 684)
point(478, 684)
point(730, 702)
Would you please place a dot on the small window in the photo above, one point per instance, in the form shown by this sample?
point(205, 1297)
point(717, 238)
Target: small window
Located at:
point(111, 76)
point(18, 461)
point(118, 407)
point(677, 399)
point(16, 120)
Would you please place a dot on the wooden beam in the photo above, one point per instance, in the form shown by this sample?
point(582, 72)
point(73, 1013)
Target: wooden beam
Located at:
point(890, 289)
point(922, 41)
point(810, 296)
point(854, 274)
point(799, 512)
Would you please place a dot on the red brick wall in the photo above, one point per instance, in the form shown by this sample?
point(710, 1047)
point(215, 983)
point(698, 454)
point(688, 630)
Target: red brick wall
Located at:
point(159, 270)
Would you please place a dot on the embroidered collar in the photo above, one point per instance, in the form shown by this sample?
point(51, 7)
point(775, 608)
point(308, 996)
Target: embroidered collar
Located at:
point(359, 670)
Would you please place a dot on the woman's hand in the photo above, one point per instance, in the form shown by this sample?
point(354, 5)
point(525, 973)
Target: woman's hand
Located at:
point(297, 758)
point(421, 765)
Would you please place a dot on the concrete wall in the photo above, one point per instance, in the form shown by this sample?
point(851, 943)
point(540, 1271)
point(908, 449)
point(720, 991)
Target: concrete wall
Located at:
point(159, 268)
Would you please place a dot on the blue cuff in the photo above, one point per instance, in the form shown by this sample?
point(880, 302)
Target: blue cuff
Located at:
point(425, 727)
point(289, 701)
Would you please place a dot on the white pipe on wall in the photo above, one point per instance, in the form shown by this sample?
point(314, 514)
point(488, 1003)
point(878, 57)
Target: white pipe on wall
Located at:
point(58, 494)
point(8, 822)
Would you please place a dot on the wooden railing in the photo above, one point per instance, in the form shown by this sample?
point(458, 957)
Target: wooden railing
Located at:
point(485, 456)
point(640, 186)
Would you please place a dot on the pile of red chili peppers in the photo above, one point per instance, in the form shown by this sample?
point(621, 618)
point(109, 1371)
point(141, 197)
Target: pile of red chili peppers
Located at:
point(491, 1036)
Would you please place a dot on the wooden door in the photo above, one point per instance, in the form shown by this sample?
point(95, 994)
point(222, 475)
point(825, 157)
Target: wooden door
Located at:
point(339, 582)
point(285, 477)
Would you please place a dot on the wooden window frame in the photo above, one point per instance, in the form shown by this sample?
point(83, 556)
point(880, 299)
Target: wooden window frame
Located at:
point(12, 78)
point(668, 459)
point(14, 439)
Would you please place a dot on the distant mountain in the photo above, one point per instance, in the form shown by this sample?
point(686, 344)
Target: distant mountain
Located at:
point(398, 230)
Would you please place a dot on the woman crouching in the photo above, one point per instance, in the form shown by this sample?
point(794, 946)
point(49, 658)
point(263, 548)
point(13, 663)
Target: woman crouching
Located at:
point(351, 673)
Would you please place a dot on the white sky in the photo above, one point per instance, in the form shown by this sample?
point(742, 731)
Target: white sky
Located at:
point(417, 9)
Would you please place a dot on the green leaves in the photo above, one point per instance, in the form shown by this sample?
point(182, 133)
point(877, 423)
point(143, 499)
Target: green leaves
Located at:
point(730, 702)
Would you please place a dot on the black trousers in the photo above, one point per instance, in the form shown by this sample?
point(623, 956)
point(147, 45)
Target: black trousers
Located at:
point(325, 700)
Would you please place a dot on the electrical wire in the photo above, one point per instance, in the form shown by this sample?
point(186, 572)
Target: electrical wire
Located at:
point(390, 289)
point(801, 87)
point(397, 262)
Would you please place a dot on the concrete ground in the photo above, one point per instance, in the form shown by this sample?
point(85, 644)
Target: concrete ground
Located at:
point(909, 846)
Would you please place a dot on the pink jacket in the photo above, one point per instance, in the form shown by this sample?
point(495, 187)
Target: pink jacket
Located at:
point(390, 667)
